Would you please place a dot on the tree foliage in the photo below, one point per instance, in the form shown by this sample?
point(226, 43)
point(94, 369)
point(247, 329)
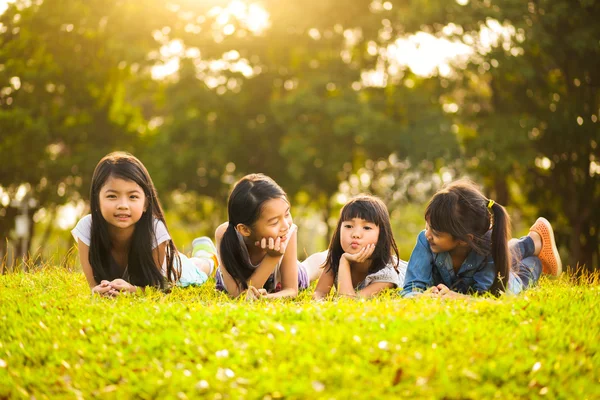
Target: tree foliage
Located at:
point(307, 92)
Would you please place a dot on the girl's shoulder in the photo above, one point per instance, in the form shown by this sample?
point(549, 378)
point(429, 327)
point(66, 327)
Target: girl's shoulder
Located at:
point(83, 229)
point(397, 264)
point(422, 239)
point(293, 228)
point(220, 231)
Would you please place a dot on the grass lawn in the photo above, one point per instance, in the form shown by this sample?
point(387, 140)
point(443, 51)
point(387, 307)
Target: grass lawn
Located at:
point(58, 341)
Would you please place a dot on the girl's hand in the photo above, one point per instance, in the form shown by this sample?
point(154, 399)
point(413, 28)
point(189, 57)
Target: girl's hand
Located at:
point(104, 289)
point(362, 255)
point(442, 291)
point(273, 247)
point(121, 285)
point(254, 294)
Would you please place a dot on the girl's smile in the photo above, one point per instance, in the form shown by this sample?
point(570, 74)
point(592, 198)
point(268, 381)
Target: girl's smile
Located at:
point(122, 202)
point(275, 220)
point(440, 242)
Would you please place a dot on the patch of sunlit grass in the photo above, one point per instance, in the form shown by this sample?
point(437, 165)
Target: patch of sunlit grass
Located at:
point(58, 341)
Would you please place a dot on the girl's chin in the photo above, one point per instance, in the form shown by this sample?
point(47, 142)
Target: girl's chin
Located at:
point(351, 250)
point(435, 249)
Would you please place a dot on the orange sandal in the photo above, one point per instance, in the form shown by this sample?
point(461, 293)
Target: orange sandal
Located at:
point(551, 263)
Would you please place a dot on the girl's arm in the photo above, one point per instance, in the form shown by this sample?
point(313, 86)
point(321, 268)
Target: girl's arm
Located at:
point(387, 278)
point(419, 271)
point(84, 259)
point(289, 270)
point(260, 275)
point(442, 291)
point(104, 288)
point(345, 286)
point(159, 254)
point(324, 284)
point(374, 288)
point(266, 267)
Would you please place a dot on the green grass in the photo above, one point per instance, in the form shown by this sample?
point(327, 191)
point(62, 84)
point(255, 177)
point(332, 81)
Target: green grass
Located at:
point(58, 341)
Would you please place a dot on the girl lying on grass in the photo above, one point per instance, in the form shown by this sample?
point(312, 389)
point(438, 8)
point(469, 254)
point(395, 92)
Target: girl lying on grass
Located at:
point(465, 248)
point(124, 243)
point(257, 246)
point(362, 259)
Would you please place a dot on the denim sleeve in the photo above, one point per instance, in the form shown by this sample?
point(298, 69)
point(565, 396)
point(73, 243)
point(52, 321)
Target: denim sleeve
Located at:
point(419, 269)
point(484, 277)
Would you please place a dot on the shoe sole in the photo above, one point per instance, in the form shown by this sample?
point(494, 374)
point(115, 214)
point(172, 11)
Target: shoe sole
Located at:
point(552, 246)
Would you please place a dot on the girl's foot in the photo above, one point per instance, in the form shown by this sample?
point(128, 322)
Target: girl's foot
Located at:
point(551, 263)
point(203, 247)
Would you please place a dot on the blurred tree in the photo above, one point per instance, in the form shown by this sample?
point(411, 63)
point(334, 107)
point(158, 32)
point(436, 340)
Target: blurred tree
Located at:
point(63, 98)
point(289, 99)
point(529, 103)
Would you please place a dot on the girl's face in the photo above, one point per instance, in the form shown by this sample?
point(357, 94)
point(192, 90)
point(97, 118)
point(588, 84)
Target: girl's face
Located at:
point(356, 234)
point(122, 202)
point(440, 242)
point(275, 220)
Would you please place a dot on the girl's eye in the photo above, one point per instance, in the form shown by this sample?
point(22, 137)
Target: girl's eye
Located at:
point(347, 226)
point(368, 228)
point(111, 196)
point(134, 197)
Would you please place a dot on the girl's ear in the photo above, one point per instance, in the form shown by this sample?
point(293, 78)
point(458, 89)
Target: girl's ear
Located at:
point(463, 243)
point(243, 229)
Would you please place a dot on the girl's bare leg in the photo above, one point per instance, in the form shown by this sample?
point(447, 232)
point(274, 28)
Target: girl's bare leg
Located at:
point(314, 265)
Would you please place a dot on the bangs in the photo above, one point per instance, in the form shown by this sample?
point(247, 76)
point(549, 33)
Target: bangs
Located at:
point(128, 172)
point(361, 209)
point(439, 214)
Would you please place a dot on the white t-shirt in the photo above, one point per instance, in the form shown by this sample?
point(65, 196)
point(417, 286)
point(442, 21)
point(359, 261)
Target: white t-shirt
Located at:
point(190, 274)
point(83, 231)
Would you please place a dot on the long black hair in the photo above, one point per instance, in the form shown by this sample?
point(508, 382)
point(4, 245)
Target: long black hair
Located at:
point(461, 210)
point(370, 209)
point(244, 207)
point(141, 267)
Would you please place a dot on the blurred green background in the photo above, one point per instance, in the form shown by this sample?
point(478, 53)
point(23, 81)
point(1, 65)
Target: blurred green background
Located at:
point(330, 98)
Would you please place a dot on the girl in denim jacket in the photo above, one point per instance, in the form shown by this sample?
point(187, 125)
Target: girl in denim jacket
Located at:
point(465, 248)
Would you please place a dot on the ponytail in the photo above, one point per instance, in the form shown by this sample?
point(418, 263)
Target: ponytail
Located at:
point(244, 207)
point(235, 257)
point(464, 212)
point(500, 253)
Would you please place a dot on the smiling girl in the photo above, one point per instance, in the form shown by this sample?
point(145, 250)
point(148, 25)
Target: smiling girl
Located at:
point(465, 248)
point(257, 246)
point(124, 243)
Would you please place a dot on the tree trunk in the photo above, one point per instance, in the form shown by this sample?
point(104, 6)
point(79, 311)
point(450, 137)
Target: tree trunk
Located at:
point(575, 251)
point(501, 191)
point(326, 214)
point(46, 235)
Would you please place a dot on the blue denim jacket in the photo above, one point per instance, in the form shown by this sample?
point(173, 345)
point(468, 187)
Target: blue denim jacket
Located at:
point(426, 269)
